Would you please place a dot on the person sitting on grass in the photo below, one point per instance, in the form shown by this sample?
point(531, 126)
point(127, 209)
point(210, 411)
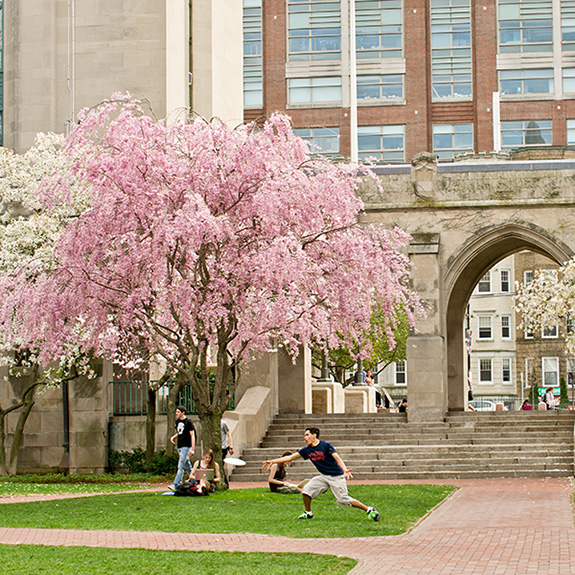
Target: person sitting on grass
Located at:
point(333, 474)
point(277, 475)
point(207, 462)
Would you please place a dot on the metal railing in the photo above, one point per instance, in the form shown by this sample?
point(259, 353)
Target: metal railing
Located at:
point(131, 397)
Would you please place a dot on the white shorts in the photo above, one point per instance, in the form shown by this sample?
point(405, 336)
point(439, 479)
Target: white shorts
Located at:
point(320, 484)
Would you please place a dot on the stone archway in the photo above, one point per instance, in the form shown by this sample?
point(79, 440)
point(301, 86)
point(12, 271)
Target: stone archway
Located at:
point(481, 252)
point(464, 217)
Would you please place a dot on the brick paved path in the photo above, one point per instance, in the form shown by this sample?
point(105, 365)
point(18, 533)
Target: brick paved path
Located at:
point(487, 527)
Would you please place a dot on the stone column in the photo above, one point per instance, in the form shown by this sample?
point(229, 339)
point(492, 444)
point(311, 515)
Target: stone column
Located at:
point(294, 382)
point(426, 354)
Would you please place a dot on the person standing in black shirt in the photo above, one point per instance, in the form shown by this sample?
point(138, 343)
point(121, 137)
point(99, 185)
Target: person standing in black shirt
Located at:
point(186, 444)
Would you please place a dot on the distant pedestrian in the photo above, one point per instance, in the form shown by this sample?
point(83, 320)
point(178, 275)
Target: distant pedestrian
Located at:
point(333, 474)
point(227, 448)
point(549, 398)
point(402, 406)
point(526, 406)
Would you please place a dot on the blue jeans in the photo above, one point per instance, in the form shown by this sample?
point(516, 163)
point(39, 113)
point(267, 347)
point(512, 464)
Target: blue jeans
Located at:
point(184, 464)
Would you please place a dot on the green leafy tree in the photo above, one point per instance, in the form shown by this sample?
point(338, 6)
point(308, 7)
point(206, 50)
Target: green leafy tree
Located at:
point(382, 350)
point(564, 397)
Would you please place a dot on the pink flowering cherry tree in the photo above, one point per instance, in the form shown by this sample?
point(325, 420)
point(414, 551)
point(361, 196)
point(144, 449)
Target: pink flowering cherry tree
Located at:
point(204, 241)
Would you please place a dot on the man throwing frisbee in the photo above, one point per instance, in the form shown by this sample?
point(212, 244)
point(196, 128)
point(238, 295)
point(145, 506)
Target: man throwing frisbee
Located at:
point(333, 474)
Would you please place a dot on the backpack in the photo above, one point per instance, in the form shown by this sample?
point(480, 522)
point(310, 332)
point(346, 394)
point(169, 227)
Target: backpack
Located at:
point(190, 488)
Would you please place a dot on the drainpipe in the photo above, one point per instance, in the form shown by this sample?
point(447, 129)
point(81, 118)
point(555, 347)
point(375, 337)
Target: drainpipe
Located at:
point(66, 416)
point(496, 123)
point(354, 152)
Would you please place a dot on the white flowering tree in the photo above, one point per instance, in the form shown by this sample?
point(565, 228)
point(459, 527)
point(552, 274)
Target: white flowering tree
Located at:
point(28, 233)
point(548, 300)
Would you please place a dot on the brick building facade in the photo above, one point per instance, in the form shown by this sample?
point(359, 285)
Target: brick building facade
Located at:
point(426, 73)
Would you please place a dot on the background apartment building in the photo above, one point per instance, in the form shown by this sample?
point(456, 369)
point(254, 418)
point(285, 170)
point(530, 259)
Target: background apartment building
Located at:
point(505, 360)
point(421, 73)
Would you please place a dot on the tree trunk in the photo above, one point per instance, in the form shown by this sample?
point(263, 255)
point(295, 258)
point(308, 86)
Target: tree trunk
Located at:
point(171, 405)
point(28, 404)
point(212, 439)
point(8, 464)
point(151, 423)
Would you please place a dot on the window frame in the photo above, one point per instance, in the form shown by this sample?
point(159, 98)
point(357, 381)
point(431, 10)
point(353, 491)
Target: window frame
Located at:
point(544, 379)
point(485, 281)
point(520, 128)
point(314, 83)
point(378, 131)
point(316, 137)
point(506, 370)
point(481, 328)
point(400, 368)
point(481, 370)
point(506, 327)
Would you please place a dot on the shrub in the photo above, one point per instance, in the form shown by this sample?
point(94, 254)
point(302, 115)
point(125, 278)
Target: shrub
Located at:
point(134, 461)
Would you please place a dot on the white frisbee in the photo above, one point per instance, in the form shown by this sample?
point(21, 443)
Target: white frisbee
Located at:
point(234, 461)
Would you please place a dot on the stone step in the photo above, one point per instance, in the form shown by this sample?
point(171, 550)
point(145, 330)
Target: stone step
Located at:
point(427, 476)
point(379, 446)
point(417, 452)
point(278, 442)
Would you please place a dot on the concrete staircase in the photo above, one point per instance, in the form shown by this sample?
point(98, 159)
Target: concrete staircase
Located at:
point(464, 445)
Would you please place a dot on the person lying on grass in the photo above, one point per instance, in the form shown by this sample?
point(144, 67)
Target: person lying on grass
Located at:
point(333, 474)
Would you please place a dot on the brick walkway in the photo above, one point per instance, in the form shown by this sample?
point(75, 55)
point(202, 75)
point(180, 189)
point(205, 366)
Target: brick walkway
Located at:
point(487, 527)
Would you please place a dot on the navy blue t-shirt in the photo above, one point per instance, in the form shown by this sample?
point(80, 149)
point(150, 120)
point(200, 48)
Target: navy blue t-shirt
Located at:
point(322, 457)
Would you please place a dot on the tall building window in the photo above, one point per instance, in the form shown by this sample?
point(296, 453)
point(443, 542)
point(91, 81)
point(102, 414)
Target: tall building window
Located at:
point(450, 139)
point(521, 133)
point(485, 331)
point(569, 80)
point(323, 141)
point(505, 281)
point(484, 284)
point(527, 277)
point(568, 25)
point(381, 142)
point(519, 82)
point(379, 88)
point(550, 332)
point(314, 30)
point(400, 373)
point(378, 29)
point(314, 90)
point(505, 327)
point(506, 370)
point(451, 48)
point(571, 131)
point(550, 369)
point(485, 371)
point(525, 26)
point(253, 67)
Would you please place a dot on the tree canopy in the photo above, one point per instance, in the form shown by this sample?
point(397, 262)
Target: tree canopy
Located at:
point(196, 237)
point(549, 300)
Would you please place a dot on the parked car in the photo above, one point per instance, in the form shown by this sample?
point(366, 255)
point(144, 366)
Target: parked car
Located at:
point(483, 405)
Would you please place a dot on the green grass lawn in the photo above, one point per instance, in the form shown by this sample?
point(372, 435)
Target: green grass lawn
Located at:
point(234, 511)
point(92, 561)
point(48, 489)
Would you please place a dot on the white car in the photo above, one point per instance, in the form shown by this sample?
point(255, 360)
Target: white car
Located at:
point(484, 405)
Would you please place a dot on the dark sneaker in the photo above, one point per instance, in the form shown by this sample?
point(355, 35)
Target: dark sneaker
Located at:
point(373, 513)
point(306, 515)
